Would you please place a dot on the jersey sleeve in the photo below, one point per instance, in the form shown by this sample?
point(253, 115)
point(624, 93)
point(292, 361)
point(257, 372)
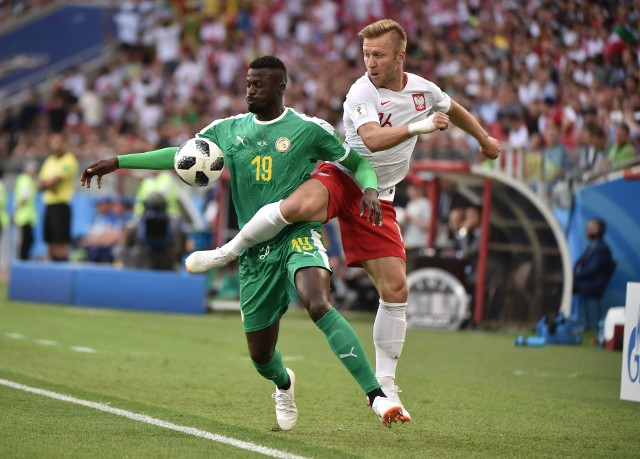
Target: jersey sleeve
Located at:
point(218, 132)
point(329, 143)
point(441, 100)
point(362, 170)
point(211, 132)
point(154, 160)
point(361, 104)
point(332, 147)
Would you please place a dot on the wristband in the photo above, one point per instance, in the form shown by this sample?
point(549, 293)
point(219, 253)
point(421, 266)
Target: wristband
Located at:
point(425, 126)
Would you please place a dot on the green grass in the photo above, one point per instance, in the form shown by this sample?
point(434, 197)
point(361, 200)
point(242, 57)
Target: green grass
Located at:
point(471, 394)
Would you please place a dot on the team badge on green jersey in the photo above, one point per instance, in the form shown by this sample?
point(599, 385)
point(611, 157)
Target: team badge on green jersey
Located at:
point(283, 144)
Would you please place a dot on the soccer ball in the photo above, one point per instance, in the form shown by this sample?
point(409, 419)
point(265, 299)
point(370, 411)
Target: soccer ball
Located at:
point(199, 162)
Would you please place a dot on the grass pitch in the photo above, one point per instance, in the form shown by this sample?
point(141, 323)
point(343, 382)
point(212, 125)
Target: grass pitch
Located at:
point(471, 394)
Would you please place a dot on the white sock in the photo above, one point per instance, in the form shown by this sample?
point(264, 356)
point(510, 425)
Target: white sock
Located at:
point(389, 331)
point(264, 225)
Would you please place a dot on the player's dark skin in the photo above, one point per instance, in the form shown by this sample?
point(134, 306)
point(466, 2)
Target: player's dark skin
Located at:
point(265, 94)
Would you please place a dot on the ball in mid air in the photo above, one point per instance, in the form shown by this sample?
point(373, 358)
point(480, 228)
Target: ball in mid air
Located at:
point(199, 162)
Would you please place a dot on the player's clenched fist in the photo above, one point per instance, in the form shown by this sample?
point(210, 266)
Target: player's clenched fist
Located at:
point(441, 120)
point(433, 122)
point(490, 148)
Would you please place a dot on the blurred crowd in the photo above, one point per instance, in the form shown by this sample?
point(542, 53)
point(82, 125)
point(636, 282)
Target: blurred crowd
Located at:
point(558, 78)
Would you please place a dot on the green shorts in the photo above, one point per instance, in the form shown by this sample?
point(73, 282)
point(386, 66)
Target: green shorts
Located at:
point(267, 272)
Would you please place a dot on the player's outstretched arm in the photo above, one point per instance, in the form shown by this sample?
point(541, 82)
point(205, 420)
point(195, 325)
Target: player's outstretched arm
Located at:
point(459, 116)
point(155, 160)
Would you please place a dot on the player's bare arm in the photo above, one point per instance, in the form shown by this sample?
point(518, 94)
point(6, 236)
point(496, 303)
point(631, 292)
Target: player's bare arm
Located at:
point(377, 138)
point(98, 169)
point(459, 116)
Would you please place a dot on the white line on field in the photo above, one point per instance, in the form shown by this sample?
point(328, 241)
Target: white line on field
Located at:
point(80, 349)
point(46, 342)
point(84, 349)
point(156, 422)
point(14, 335)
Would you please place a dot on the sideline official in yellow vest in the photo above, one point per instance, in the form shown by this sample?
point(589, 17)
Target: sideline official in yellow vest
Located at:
point(57, 180)
point(24, 204)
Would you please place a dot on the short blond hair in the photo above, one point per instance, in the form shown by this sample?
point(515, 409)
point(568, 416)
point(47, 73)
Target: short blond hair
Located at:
point(383, 26)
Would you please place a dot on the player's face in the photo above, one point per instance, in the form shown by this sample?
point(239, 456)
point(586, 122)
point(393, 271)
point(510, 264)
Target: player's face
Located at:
point(264, 89)
point(383, 61)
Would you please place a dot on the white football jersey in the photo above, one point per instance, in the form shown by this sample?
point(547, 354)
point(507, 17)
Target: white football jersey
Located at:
point(365, 103)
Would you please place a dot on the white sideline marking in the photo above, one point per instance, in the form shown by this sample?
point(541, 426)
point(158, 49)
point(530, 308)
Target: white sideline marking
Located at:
point(14, 335)
point(81, 349)
point(546, 375)
point(156, 422)
point(87, 350)
point(46, 342)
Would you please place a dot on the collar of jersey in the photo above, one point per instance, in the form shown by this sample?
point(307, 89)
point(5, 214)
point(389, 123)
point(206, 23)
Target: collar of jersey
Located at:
point(275, 120)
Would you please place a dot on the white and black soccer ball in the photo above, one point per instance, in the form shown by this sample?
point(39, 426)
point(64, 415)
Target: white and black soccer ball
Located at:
point(199, 162)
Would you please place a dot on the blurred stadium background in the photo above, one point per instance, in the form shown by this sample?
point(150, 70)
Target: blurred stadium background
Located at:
point(556, 82)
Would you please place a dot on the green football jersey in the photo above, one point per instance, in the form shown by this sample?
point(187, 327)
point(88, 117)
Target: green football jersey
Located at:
point(268, 160)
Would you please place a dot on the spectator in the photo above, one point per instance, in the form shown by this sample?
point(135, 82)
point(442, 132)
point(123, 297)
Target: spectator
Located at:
point(25, 213)
point(28, 114)
point(74, 83)
point(128, 22)
point(57, 111)
point(556, 162)
point(166, 36)
point(622, 151)
point(91, 107)
point(518, 132)
point(452, 245)
point(57, 179)
point(592, 158)
point(469, 240)
point(447, 200)
point(189, 73)
point(104, 234)
point(417, 218)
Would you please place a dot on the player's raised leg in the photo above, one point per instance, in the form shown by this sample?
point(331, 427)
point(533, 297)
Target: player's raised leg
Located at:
point(308, 203)
point(390, 326)
point(265, 224)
